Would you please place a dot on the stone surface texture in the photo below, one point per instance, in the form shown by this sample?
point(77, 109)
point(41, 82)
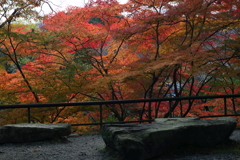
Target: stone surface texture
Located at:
point(32, 132)
point(145, 141)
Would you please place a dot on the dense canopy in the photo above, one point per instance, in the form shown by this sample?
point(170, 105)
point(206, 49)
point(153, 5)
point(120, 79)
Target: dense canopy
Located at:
point(109, 51)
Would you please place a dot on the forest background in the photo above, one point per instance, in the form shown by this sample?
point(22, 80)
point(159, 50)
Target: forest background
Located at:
point(110, 51)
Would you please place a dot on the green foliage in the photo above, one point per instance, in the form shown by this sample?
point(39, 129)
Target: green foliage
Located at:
point(96, 20)
point(110, 119)
point(81, 60)
point(11, 68)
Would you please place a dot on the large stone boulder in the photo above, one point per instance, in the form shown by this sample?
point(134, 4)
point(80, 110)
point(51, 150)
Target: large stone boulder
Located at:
point(144, 141)
point(32, 132)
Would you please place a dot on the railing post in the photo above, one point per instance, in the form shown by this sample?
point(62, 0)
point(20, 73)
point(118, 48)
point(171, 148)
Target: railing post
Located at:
point(225, 106)
point(170, 108)
point(100, 110)
point(150, 112)
point(29, 119)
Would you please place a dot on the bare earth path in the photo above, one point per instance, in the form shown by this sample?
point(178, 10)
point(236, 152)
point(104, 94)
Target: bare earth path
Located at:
point(91, 147)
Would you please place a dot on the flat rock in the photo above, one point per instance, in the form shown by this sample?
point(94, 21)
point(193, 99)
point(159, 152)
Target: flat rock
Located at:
point(145, 141)
point(27, 132)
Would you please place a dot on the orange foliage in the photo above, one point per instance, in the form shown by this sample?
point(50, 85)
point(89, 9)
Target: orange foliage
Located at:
point(139, 50)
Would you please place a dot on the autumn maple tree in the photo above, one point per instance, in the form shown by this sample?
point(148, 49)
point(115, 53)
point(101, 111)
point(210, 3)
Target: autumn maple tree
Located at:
point(149, 49)
point(181, 38)
point(30, 72)
point(138, 50)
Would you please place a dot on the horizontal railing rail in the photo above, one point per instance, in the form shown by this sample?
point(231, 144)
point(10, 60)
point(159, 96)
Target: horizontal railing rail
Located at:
point(101, 103)
point(37, 105)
